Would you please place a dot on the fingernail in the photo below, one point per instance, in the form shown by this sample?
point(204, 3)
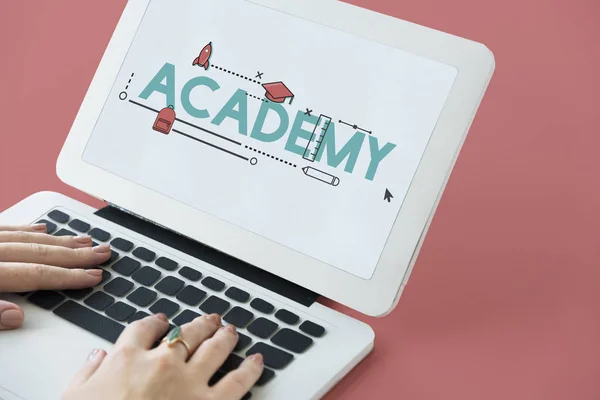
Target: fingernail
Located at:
point(161, 316)
point(85, 239)
point(230, 329)
point(103, 248)
point(216, 318)
point(94, 272)
point(257, 358)
point(93, 354)
point(39, 227)
point(11, 318)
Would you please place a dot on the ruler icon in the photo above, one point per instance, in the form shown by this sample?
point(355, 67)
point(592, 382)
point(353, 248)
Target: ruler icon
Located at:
point(317, 137)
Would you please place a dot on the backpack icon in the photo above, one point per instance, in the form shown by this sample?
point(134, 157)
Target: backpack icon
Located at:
point(164, 120)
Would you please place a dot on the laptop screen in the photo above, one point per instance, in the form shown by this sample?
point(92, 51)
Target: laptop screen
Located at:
point(295, 131)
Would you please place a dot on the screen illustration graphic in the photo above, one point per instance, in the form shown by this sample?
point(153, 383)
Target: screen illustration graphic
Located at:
point(318, 145)
point(321, 176)
point(203, 60)
point(164, 120)
point(316, 139)
point(277, 92)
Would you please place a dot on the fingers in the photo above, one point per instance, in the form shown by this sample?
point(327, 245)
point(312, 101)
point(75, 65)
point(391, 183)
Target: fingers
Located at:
point(144, 332)
point(91, 365)
point(54, 255)
point(194, 334)
point(21, 277)
point(73, 242)
point(40, 228)
point(213, 352)
point(11, 316)
point(239, 382)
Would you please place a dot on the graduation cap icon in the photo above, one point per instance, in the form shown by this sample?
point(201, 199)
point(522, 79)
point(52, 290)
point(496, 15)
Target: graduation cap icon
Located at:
point(277, 92)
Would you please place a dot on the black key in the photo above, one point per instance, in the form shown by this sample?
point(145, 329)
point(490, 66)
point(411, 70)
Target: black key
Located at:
point(213, 284)
point(99, 234)
point(144, 254)
point(273, 357)
point(94, 244)
point(292, 340)
point(214, 305)
point(312, 329)
point(191, 295)
point(46, 299)
point(167, 263)
point(216, 378)
point(190, 274)
point(243, 342)
point(122, 244)
point(137, 316)
point(237, 294)
point(185, 317)
point(65, 232)
point(262, 327)
point(50, 226)
point(169, 286)
point(262, 306)
point(265, 377)
point(126, 266)
point(58, 216)
point(165, 306)
point(146, 276)
point(78, 294)
point(238, 317)
point(120, 311)
point(99, 301)
point(79, 225)
point(105, 277)
point(287, 317)
point(89, 320)
point(113, 256)
point(118, 287)
point(232, 362)
point(142, 296)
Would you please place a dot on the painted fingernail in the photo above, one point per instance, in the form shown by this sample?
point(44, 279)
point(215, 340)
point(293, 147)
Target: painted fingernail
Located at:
point(161, 316)
point(92, 356)
point(94, 272)
point(39, 227)
point(103, 248)
point(256, 358)
point(85, 239)
point(230, 329)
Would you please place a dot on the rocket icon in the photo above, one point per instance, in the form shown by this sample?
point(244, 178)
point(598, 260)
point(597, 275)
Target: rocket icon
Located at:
point(203, 60)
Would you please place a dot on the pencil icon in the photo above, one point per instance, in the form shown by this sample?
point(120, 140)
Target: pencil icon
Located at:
point(321, 176)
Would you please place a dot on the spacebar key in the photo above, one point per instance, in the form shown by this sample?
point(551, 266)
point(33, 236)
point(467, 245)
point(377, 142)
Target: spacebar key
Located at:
point(90, 320)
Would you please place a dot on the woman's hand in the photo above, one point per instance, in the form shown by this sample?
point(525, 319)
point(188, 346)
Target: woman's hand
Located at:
point(32, 260)
point(135, 371)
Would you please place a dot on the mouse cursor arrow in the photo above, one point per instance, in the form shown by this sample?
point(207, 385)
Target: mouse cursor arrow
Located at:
point(388, 196)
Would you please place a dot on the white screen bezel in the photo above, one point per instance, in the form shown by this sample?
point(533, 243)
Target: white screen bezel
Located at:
point(475, 65)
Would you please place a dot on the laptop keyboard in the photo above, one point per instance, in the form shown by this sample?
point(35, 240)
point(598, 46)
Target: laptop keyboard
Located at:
point(134, 285)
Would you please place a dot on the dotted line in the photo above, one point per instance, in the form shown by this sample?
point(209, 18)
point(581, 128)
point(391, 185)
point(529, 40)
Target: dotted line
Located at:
point(273, 157)
point(236, 74)
point(257, 98)
point(127, 87)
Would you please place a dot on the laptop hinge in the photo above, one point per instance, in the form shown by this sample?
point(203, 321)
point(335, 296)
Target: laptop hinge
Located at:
point(208, 254)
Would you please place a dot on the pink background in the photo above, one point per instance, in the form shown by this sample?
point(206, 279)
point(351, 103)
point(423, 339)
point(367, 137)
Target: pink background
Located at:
point(504, 300)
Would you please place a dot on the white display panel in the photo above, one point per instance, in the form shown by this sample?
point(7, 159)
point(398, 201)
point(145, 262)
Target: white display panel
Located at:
point(256, 163)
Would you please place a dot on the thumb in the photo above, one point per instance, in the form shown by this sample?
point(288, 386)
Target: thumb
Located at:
point(92, 363)
point(11, 316)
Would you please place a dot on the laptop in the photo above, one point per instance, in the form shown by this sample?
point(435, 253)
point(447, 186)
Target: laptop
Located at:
point(254, 156)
